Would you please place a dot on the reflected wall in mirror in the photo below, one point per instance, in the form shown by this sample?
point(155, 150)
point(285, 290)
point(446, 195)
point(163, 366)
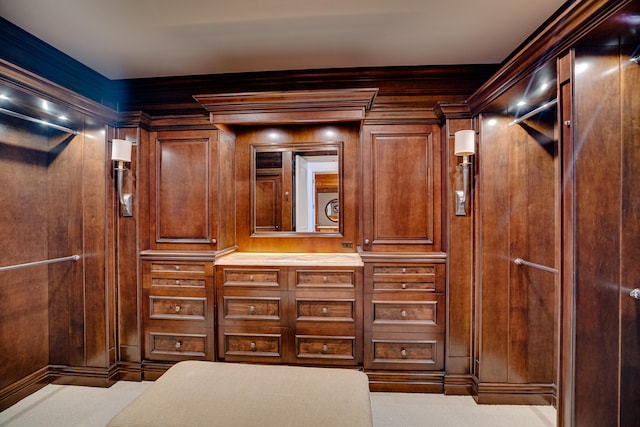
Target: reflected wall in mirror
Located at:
point(297, 188)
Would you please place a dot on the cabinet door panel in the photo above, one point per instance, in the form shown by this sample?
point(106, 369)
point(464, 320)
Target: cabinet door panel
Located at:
point(183, 189)
point(401, 188)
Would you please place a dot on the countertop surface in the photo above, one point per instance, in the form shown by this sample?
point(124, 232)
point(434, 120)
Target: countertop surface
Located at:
point(291, 259)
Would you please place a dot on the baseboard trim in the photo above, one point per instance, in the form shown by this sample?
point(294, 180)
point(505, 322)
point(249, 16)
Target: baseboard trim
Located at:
point(87, 376)
point(18, 390)
point(513, 394)
point(458, 385)
point(406, 382)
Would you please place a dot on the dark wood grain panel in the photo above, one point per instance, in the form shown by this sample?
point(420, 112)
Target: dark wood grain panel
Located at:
point(401, 188)
point(630, 249)
point(23, 223)
point(183, 188)
point(127, 242)
point(597, 236)
point(494, 259)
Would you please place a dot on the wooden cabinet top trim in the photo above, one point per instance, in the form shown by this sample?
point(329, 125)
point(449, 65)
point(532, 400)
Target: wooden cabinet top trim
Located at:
point(307, 106)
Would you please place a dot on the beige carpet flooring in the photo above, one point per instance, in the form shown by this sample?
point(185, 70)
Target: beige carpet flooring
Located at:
point(75, 406)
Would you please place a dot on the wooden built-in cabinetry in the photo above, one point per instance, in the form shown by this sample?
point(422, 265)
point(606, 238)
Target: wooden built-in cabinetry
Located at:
point(401, 191)
point(191, 192)
point(291, 312)
point(177, 308)
point(404, 323)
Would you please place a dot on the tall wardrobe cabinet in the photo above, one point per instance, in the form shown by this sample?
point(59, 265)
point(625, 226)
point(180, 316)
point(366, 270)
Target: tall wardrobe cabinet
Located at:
point(191, 219)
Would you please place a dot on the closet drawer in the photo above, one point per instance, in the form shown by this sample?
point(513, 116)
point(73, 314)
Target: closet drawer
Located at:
point(404, 351)
point(177, 308)
point(178, 282)
point(246, 346)
point(407, 277)
point(404, 270)
point(177, 346)
point(341, 348)
point(391, 313)
point(177, 267)
point(325, 310)
point(252, 278)
point(325, 279)
point(252, 308)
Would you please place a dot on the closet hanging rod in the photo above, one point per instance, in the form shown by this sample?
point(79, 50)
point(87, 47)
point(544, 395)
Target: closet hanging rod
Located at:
point(47, 261)
point(520, 261)
point(40, 121)
point(534, 112)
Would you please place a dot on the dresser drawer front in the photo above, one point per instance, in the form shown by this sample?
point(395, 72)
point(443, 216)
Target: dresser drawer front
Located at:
point(251, 278)
point(253, 345)
point(402, 311)
point(404, 351)
point(325, 279)
point(177, 267)
point(325, 310)
point(178, 282)
point(176, 308)
point(176, 346)
point(420, 351)
point(422, 270)
point(407, 286)
point(325, 347)
point(252, 308)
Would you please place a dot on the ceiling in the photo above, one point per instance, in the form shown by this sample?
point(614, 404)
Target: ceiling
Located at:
point(124, 39)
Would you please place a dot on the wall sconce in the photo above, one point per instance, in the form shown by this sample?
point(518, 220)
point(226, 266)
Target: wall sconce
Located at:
point(121, 152)
point(465, 147)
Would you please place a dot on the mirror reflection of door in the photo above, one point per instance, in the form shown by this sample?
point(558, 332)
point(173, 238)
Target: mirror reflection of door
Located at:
point(285, 197)
point(268, 209)
point(326, 202)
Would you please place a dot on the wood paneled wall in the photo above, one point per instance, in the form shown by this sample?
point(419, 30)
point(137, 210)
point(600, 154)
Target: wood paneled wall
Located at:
point(56, 202)
point(517, 305)
point(23, 227)
point(602, 216)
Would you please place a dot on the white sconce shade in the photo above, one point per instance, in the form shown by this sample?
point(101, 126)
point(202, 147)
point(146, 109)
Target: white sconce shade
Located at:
point(464, 143)
point(121, 150)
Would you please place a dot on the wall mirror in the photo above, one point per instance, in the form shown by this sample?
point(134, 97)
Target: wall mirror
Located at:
point(297, 188)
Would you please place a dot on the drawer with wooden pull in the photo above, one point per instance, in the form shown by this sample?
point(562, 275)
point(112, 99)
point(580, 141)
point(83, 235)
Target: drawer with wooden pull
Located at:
point(409, 278)
point(177, 308)
point(244, 346)
point(404, 351)
point(252, 308)
point(325, 348)
point(252, 278)
point(395, 313)
point(178, 346)
point(177, 267)
point(325, 310)
point(318, 279)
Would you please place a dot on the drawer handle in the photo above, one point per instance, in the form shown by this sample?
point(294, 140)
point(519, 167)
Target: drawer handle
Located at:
point(403, 353)
point(214, 241)
point(325, 278)
point(177, 308)
point(252, 346)
point(177, 267)
point(325, 310)
point(325, 348)
point(177, 282)
point(251, 277)
point(252, 309)
point(178, 345)
point(403, 313)
point(404, 286)
point(404, 270)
